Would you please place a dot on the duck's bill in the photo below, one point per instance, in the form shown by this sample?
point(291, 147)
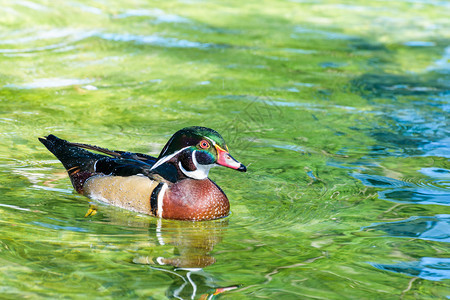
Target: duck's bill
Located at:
point(226, 160)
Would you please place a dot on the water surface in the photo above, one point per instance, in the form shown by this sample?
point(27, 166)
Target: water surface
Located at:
point(339, 110)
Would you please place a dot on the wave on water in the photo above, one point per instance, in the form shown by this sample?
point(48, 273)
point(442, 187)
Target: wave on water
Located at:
point(434, 228)
point(430, 268)
point(51, 83)
point(158, 15)
point(410, 190)
point(154, 40)
point(27, 42)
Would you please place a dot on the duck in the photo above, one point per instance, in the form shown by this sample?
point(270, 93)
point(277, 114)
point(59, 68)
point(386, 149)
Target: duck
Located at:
point(174, 185)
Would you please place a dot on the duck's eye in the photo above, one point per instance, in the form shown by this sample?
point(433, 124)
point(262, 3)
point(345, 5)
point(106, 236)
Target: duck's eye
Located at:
point(204, 144)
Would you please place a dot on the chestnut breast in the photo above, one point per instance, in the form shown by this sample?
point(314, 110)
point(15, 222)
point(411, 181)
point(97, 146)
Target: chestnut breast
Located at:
point(192, 199)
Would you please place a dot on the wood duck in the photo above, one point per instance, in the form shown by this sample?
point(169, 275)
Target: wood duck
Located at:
point(173, 186)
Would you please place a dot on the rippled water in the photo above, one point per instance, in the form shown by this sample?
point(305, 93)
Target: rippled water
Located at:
point(339, 110)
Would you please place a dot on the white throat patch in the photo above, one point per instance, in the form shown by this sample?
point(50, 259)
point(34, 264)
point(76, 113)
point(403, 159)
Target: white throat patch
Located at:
point(201, 171)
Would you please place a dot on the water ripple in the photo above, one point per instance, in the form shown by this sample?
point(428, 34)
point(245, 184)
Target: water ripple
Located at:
point(438, 148)
point(430, 268)
point(436, 172)
point(379, 181)
point(417, 195)
point(60, 227)
point(323, 33)
point(442, 64)
point(31, 5)
point(153, 40)
point(62, 39)
point(158, 14)
point(87, 8)
point(419, 44)
point(50, 83)
point(293, 104)
point(435, 228)
point(68, 35)
point(34, 36)
point(409, 190)
point(15, 207)
point(440, 178)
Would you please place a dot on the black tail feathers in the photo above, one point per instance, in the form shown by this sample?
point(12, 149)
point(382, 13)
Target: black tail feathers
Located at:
point(71, 156)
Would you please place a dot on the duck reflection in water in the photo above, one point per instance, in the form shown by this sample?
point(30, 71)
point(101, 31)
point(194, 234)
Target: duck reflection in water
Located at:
point(193, 242)
point(180, 249)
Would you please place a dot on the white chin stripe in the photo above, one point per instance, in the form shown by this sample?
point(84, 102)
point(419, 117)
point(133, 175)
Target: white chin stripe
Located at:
point(201, 171)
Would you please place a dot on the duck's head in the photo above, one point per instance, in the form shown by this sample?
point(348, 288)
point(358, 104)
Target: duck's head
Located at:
point(195, 150)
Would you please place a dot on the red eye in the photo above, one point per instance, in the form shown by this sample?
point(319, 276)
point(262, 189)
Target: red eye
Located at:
point(204, 144)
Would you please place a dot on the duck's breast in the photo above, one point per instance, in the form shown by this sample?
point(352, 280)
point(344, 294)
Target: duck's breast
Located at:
point(192, 199)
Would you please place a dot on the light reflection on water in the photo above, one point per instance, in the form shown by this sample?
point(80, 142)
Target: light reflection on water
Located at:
point(158, 15)
point(50, 83)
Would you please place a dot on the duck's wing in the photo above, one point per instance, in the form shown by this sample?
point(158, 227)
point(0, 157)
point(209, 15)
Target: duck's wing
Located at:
point(129, 167)
point(148, 159)
point(82, 164)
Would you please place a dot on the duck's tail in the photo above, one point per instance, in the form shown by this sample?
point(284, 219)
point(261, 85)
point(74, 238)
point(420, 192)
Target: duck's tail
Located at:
point(79, 163)
point(71, 155)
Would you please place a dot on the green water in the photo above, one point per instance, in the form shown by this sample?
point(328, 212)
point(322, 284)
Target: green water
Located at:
point(339, 109)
